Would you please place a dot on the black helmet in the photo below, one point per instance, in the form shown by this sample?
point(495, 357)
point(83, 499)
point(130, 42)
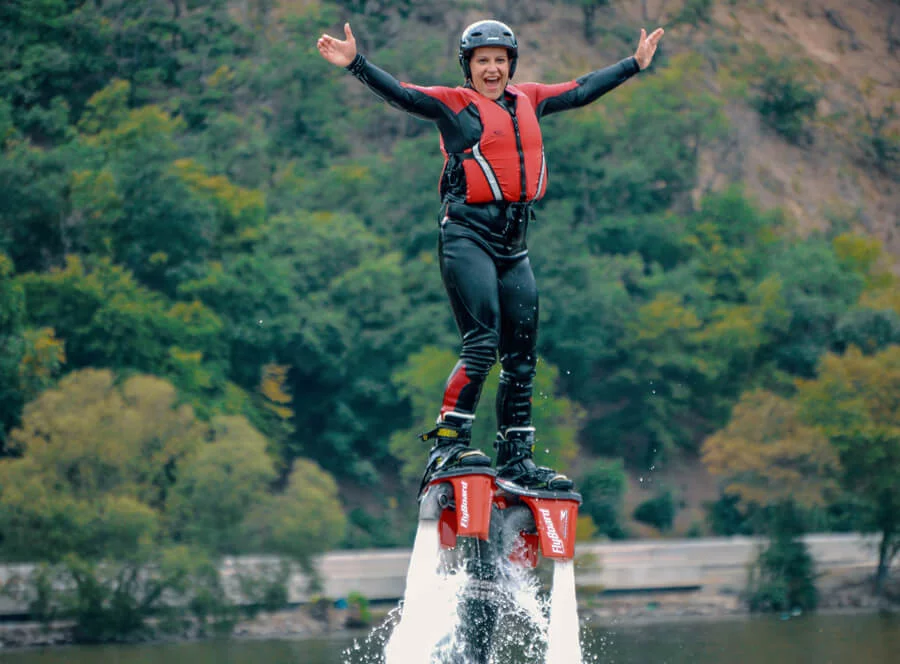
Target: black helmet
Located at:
point(487, 33)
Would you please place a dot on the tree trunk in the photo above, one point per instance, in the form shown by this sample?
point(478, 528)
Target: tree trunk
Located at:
point(588, 11)
point(884, 561)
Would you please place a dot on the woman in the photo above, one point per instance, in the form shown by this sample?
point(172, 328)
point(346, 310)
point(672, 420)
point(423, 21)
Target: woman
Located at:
point(494, 171)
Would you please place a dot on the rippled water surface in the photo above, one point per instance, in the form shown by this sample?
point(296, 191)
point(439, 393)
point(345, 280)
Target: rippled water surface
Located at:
point(819, 639)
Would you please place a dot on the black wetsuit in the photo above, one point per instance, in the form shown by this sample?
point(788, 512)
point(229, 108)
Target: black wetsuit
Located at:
point(494, 171)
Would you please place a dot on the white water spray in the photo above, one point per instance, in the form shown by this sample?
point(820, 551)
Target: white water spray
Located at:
point(428, 613)
point(530, 627)
point(563, 646)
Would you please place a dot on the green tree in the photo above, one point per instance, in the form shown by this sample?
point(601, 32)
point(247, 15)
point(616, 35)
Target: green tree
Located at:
point(768, 455)
point(300, 90)
point(817, 288)
point(603, 488)
point(60, 53)
point(876, 133)
point(588, 12)
point(12, 348)
point(595, 155)
point(106, 319)
point(154, 212)
point(97, 462)
point(658, 511)
point(787, 96)
point(219, 484)
point(303, 520)
point(32, 201)
point(319, 293)
point(770, 458)
point(855, 401)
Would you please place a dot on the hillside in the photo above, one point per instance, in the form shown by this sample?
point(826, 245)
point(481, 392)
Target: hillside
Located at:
point(852, 54)
point(192, 197)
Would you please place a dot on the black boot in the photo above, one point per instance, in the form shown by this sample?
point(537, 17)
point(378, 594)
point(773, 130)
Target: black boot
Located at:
point(515, 462)
point(451, 450)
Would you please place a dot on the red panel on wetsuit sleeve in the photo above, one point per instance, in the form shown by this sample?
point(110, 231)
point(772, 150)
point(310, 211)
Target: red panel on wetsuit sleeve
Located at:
point(458, 380)
point(453, 98)
point(539, 92)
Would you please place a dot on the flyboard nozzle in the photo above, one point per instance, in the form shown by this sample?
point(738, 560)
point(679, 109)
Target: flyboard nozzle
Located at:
point(435, 499)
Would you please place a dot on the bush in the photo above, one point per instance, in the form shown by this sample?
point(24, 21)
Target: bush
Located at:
point(263, 584)
point(658, 511)
point(879, 138)
point(123, 601)
point(725, 517)
point(783, 577)
point(360, 614)
point(602, 490)
point(786, 97)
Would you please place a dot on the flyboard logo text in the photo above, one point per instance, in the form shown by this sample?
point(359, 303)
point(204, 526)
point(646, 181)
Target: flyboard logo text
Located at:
point(464, 507)
point(558, 546)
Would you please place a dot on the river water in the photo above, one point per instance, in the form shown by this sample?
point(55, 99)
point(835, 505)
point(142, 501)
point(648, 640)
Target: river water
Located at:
point(817, 639)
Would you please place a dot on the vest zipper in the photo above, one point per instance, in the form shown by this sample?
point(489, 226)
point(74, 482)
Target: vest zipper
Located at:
point(524, 194)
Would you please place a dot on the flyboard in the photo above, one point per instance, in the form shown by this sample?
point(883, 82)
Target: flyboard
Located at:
point(472, 521)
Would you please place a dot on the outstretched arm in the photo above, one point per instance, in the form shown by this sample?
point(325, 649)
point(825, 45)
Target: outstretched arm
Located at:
point(586, 89)
point(428, 103)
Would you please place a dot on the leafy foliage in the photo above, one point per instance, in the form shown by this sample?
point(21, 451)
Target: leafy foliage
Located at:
point(854, 401)
point(602, 489)
point(218, 287)
point(767, 455)
point(787, 97)
point(108, 468)
point(658, 511)
point(12, 314)
point(783, 577)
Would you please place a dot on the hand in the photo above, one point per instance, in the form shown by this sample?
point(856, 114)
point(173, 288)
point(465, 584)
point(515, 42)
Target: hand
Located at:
point(337, 52)
point(647, 47)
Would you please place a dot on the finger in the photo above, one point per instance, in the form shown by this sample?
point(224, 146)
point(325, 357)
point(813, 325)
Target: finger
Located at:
point(643, 35)
point(348, 32)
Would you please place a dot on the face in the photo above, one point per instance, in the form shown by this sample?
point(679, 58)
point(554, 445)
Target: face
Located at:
point(490, 70)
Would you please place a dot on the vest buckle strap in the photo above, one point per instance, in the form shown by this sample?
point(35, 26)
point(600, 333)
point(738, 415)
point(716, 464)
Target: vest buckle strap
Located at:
point(517, 217)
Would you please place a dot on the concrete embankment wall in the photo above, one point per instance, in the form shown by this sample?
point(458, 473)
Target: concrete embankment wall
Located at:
point(707, 564)
point(704, 564)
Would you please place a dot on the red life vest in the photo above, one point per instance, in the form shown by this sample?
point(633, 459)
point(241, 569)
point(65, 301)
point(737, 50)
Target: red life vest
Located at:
point(494, 166)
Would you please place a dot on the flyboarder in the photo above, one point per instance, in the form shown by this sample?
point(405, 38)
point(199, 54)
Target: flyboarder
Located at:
point(494, 172)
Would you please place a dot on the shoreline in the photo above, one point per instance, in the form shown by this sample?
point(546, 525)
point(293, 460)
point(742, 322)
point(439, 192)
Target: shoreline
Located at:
point(310, 621)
